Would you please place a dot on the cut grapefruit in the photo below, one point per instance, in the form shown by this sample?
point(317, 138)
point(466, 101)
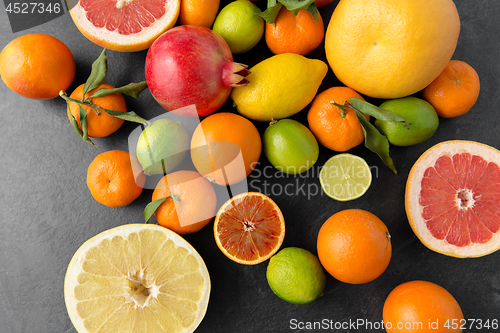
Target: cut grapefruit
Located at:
point(453, 198)
point(249, 228)
point(124, 25)
point(136, 278)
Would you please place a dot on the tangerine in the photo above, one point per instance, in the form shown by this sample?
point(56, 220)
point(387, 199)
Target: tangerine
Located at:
point(354, 246)
point(454, 91)
point(99, 122)
point(191, 205)
point(115, 178)
point(37, 66)
point(198, 12)
point(299, 34)
point(334, 128)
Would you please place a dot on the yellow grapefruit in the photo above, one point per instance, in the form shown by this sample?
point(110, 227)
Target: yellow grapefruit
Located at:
point(391, 48)
point(124, 25)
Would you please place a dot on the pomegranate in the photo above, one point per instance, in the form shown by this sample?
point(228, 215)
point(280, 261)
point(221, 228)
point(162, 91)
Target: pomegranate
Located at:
point(189, 65)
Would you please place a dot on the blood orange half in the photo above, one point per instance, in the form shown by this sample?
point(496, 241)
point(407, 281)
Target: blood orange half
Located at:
point(124, 25)
point(453, 198)
point(249, 228)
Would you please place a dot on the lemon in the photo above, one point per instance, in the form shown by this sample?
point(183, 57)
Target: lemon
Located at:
point(279, 87)
point(296, 275)
point(345, 177)
point(239, 25)
point(136, 278)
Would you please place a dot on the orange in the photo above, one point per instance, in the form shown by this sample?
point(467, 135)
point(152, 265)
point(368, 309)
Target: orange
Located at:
point(452, 196)
point(115, 178)
point(37, 66)
point(333, 128)
point(421, 306)
point(124, 25)
point(99, 123)
point(391, 48)
point(191, 204)
point(225, 148)
point(299, 34)
point(249, 228)
point(354, 246)
point(198, 12)
point(321, 3)
point(454, 91)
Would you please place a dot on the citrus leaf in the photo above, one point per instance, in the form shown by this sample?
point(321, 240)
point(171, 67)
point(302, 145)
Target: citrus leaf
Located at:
point(152, 207)
point(97, 74)
point(78, 131)
point(128, 116)
point(84, 123)
point(273, 8)
point(375, 141)
point(313, 9)
point(131, 89)
point(374, 111)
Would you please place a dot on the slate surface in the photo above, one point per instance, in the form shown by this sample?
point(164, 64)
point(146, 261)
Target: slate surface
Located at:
point(47, 211)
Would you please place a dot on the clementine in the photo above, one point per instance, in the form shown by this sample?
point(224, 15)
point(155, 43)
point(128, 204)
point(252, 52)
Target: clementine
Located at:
point(37, 66)
point(225, 147)
point(334, 128)
point(454, 91)
point(198, 12)
point(115, 178)
point(299, 34)
point(422, 306)
point(354, 246)
point(100, 123)
point(190, 203)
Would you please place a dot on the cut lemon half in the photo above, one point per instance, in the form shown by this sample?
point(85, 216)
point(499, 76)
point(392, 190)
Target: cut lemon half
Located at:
point(345, 177)
point(136, 278)
point(249, 228)
point(124, 25)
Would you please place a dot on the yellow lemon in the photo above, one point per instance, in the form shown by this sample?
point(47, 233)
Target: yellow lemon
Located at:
point(279, 87)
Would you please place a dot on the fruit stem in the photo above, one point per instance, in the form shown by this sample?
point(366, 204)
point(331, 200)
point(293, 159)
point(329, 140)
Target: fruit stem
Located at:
point(273, 122)
point(341, 107)
point(65, 96)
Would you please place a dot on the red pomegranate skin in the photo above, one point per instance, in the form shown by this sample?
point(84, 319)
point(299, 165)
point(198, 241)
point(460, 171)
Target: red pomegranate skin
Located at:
point(185, 66)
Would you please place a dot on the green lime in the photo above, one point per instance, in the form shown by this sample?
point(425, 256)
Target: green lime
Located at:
point(420, 114)
point(345, 177)
point(290, 146)
point(162, 146)
point(239, 25)
point(296, 275)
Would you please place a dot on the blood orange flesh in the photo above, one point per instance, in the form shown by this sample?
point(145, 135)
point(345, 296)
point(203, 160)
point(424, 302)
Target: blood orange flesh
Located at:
point(453, 198)
point(249, 228)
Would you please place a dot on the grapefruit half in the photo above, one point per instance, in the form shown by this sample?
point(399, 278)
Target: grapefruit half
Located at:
point(452, 198)
point(124, 25)
point(249, 228)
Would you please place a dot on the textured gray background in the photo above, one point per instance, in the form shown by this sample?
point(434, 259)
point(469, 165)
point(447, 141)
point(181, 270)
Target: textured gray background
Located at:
point(47, 212)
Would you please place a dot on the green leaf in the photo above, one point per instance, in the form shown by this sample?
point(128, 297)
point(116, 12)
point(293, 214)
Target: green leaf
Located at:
point(269, 15)
point(295, 5)
point(131, 89)
point(128, 116)
point(84, 123)
point(78, 131)
point(98, 73)
point(375, 141)
point(274, 6)
point(313, 9)
point(374, 111)
point(152, 207)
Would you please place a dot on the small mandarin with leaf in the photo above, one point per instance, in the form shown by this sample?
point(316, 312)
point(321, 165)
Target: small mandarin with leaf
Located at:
point(115, 178)
point(100, 123)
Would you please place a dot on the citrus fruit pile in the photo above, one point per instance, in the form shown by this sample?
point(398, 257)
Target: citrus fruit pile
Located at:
point(146, 277)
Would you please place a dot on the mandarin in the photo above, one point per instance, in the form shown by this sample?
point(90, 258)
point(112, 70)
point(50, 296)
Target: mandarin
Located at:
point(100, 123)
point(115, 178)
point(454, 91)
point(354, 246)
point(37, 66)
point(299, 34)
point(190, 203)
point(198, 12)
point(332, 127)
point(225, 147)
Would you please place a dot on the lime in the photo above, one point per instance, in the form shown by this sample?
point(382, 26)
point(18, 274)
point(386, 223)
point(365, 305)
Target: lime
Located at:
point(239, 25)
point(420, 114)
point(290, 146)
point(345, 177)
point(296, 275)
point(162, 146)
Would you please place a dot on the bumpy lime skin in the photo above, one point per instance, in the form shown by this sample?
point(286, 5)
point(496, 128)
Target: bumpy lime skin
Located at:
point(290, 146)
